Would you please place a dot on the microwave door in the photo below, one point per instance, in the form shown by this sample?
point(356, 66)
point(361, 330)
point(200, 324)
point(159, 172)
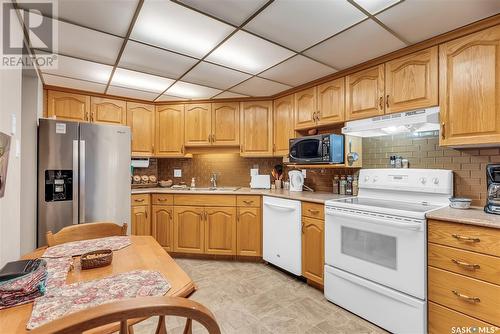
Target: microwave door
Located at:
point(310, 150)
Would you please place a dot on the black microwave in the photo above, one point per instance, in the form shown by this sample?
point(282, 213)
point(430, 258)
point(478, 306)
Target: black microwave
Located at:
point(328, 148)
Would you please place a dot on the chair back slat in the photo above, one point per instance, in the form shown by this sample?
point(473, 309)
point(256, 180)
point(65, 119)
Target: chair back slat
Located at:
point(85, 231)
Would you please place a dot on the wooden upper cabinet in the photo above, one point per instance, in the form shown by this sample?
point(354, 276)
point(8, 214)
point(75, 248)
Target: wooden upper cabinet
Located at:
point(283, 124)
point(469, 82)
point(189, 229)
point(256, 128)
point(140, 118)
point(365, 93)
point(411, 82)
point(169, 132)
point(108, 111)
point(331, 102)
point(68, 106)
point(305, 108)
point(226, 124)
point(220, 230)
point(198, 124)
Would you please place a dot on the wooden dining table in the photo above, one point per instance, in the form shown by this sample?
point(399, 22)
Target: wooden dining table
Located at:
point(144, 253)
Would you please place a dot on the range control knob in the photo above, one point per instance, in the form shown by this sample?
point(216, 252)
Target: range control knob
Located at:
point(375, 179)
point(367, 178)
point(435, 180)
point(423, 180)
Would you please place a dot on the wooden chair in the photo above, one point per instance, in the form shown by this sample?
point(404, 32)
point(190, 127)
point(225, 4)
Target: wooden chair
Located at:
point(123, 310)
point(84, 232)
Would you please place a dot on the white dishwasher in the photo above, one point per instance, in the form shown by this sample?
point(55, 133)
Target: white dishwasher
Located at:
point(282, 234)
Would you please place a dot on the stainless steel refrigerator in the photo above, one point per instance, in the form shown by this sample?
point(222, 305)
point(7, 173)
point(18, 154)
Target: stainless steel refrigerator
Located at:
point(83, 175)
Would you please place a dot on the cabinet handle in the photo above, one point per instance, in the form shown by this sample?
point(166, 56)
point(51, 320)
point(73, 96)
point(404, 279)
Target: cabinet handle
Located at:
point(465, 265)
point(146, 214)
point(381, 102)
point(87, 116)
point(182, 149)
point(442, 130)
point(318, 116)
point(313, 211)
point(313, 115)
point(464, 238)
point(465, 297)
point(169, 214)
point(139, 200)
point(302, 228)
point(248, 202)
point(387, 101)
point(162, 199)
point(213, 138)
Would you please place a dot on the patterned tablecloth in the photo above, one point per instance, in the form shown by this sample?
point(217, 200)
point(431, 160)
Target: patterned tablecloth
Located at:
point(76, 248)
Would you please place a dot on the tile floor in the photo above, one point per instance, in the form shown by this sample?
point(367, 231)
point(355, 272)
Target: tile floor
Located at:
point(260, 299)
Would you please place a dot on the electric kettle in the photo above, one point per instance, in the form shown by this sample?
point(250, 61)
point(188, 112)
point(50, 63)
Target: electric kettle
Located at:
point(296, 180)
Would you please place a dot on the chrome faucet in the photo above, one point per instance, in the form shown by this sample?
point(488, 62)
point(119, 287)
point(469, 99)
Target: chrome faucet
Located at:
point(213, 180)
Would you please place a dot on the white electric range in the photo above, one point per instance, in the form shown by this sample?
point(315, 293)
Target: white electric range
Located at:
point(375, 246)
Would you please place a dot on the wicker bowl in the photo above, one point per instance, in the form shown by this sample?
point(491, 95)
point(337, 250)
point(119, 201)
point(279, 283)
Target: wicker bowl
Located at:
point(96, 259)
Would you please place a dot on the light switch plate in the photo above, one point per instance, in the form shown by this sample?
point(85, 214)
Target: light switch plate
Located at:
point(304, 173)
point(177, 172)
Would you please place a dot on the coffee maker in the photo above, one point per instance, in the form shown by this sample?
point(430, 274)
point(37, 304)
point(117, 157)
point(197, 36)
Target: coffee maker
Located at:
point(493, 179)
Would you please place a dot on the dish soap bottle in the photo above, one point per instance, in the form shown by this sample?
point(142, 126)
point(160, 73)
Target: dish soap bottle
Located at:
point(193, 183)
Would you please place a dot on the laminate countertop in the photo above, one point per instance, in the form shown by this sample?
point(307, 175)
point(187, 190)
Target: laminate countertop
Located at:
point(472, 216)
point(307, 196)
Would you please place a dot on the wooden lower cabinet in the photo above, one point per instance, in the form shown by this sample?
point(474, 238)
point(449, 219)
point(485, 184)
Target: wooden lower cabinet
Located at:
point(249, 231)
point(313, 249)
point(444, 320)
point(189, 229)
point(163, 225)
point(220, 230)
point(141, 220)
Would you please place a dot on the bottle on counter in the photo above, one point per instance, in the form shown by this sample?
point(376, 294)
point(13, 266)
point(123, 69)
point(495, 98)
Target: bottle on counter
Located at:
point(392, 161)
point(348, 186)
point(405, 163)
point(336, 181)
point(193, 183)
point(342, 185)
point(399, 162)
point(355, 186)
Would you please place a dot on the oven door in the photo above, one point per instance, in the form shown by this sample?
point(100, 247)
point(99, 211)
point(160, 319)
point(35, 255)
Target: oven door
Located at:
point(383, 249)
point(309, 149)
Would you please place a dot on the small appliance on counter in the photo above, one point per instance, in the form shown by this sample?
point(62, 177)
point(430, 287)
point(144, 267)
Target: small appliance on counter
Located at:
point(260, 182)
point(328, 148)
point(296, 180)
point(493, 181)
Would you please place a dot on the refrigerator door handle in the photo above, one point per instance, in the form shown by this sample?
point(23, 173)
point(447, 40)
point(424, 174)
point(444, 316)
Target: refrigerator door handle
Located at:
point(74, 220)
point(82, 181)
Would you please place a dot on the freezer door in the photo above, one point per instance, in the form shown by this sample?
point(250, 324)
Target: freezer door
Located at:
point(57, 176)
point(104, 174)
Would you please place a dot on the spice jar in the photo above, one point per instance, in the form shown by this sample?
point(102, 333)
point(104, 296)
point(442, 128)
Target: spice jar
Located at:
point(336, 184)
point(342, 186)
point(348, 186)
point(355, 186)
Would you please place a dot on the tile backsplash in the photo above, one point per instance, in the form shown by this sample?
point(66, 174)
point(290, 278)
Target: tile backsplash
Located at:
point(468, 165)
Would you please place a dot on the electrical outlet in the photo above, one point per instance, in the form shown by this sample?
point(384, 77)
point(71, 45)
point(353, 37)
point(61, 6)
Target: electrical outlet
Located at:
point(304, 173)
point(177, 172)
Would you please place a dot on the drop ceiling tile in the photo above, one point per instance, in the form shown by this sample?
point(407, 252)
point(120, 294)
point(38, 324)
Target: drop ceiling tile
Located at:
point(80, 69)
point(142, 81)
point(54, 80)
point(248, 53)
point(375, 6)
point(363, 42)
point(229, 95)
point(165, 97)
point(259, 87)
point(132, 93)
point(214, 76)
point(144, 58)
point(418, 20)
point(300, 24)
point(177, 28)
point(232, 11)
point(191, 91)
point(112, 16)
point(297, 70)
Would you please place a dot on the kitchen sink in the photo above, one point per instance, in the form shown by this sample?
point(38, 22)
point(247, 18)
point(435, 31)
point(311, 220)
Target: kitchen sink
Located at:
point(216, 189)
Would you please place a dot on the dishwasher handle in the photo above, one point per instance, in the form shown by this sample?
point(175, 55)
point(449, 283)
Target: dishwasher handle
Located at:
point(280, 207)
point(375, 220)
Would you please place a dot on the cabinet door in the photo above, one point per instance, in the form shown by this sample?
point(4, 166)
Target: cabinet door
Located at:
point(163, 225)
point(313, 249)
point(226, 124)
point(283, 124)
point(249, 232)
point(256, 126)
point(469, 79)
point(189, 229)
point(331, 102)
point(198, 125)
point(169, 134)
point(68, 106)
point(411, 82)
point(140, 118)
point(365, 93)
point(108, 111)
point(220, 230)
point(141, 220)
point(305, 108)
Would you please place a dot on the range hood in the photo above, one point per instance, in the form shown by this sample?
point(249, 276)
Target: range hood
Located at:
point(406, 122)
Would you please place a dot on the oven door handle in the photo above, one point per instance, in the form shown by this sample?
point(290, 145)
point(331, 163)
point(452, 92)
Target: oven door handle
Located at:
point(370, 219)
